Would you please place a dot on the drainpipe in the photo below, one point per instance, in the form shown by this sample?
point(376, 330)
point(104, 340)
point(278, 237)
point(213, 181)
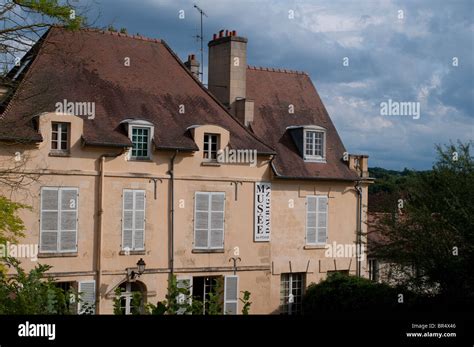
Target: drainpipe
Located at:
point(171, 245)
point(100, 213)
point(358, 188)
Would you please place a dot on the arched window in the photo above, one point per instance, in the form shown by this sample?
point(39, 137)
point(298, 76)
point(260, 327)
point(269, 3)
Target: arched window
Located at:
point(132, 297)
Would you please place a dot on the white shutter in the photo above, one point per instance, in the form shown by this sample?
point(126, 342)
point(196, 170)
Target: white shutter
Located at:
point(231, 294)
point(322, 219)
point(184, 282)
point(49, 220)
point(139, 220)
point(68, 219)
point(311, 202)
point(201, 220)
point(87, 297)
point(217, 220)
point(127, 220)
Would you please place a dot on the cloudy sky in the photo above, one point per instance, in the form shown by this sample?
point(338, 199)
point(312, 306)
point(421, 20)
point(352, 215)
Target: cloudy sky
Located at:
point(399, 50)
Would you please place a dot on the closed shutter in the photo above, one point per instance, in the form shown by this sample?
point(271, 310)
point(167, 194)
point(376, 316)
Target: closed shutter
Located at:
point(133, 220)
point(311, 202)
point(49, 220)
point(68, 219)
point(217, 220)
point(201, 220)
point(87, 297)
point(231, 294)
point(322, 219)
point(58, 221)
point(184, 283)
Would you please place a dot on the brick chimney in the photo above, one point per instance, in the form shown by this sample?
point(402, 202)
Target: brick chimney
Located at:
point(228, 71)
point(193, 65)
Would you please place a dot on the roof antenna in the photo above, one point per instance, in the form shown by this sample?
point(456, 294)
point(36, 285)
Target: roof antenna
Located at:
point(201, 37)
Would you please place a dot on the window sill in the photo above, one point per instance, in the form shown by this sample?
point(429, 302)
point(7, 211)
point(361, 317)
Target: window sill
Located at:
point(210, 163)
point(321, 246)
point(143, 252)
point(314, 160)
point(146, 160)
point(59, 154)
point(208, 250)
point(57, 255)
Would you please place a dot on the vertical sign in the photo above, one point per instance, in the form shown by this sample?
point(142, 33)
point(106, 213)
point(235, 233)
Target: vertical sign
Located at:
point(262, 212)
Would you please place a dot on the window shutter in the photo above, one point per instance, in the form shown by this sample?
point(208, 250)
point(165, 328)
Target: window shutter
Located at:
point(184, 283)
point(127, 220)
point(322, 218)
point(87, 297)
point(139, 222)
point(217, 220)
point(68, 218)
point(49, 220)
point(201, 220)
point(231, 294)
point(311, 202)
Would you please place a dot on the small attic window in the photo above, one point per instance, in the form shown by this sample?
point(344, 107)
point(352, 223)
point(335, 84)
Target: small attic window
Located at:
point(140, 133)
point(315, 144)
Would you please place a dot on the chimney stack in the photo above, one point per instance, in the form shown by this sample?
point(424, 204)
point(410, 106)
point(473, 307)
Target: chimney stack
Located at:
point(193, 65)
point(228, 69)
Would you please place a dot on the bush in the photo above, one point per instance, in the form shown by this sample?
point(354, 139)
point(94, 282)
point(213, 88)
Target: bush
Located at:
point(344, 293)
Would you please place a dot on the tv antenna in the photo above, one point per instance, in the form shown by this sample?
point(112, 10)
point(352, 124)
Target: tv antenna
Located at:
point(201, 37)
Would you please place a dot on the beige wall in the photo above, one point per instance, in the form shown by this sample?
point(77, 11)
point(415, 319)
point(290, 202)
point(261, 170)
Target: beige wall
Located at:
point(262, 262)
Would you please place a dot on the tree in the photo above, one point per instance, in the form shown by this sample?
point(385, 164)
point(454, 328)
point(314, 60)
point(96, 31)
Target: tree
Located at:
point(30, 293)
point(435, 232)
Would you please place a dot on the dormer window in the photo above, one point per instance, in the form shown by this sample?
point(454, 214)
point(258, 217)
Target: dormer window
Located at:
point(140, 133)
point(211, 145)
point(314, 145)
point(60, 135)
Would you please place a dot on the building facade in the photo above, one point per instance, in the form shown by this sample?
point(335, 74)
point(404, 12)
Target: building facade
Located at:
point(246, 180)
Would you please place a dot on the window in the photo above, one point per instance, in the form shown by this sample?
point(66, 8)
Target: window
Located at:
point(69, 290)
point(133, 220)
point(58, 219)
point(203, 286)
point(209, 220)
point(129, 305)
point(86, 304)
point(316, 219)
point(374, 270)
point(141, 141)
point(291, 292)
point(314, 144)
point(60, 137)
point(211, 144)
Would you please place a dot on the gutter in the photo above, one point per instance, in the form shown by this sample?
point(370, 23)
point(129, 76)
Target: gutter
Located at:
point(171, 233)
point(358, 188)
point(100, 212)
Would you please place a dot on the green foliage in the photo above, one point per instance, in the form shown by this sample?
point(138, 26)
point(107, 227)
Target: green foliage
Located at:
point(436, 231)
point(63, 14)
point(245, 300)
point(111, 28)
point(343, 293)
point(215, 304)
point(117, 303)
point(123, 30)
point(11, 226)
point(30, 293)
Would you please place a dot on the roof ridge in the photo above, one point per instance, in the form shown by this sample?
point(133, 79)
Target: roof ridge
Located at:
point(271, 69)
point(114, 33)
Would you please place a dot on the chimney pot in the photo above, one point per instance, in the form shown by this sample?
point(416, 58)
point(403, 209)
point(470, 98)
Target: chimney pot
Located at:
point(214, 36)
point(234, 33)
point(221, 33)
point(227, 33)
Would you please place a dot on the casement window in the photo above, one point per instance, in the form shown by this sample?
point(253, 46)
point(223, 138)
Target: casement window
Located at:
point(127, 290)
point(60, 137)
point(211, 145)
point(86, 304)
point(231, 294)
point(133, 220)
point(314, 145)
point(184, 284)
point(316, 220)
point(69, 290)
point(141, 140)
point(292, 288)
point(209, 220)
point(58, 219)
